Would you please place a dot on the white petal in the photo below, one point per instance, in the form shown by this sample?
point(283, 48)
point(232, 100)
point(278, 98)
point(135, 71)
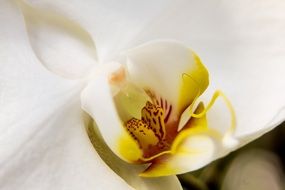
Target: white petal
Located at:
point(61, 44)
point(112, 24)
point(243, 46)
point(54, 152)
point(43, 143)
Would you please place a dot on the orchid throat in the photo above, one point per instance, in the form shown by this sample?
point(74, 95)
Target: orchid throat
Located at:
point(156, 125)
point(159, 117)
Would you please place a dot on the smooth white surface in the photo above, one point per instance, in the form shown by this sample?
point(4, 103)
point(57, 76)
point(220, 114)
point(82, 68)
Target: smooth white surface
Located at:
point(61, 45)
point(43, 143)
point(112, 24)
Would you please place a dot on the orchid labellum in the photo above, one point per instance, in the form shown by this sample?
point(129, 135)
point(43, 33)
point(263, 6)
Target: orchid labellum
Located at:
point(150, 106)
point(93, 96)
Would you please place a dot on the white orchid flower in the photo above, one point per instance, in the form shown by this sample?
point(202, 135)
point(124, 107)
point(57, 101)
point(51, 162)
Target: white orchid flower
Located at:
point(94, 64)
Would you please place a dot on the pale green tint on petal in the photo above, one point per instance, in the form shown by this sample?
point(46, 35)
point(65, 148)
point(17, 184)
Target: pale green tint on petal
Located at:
point(43, 143)
point(114, 96)
point(170, 69)
point(117, 94)
point(97, 100)
point(129, 101)
point(62, 45)
point(130, 172)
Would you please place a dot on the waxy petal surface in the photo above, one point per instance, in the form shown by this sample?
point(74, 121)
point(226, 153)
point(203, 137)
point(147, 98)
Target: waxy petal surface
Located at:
point(112, 24)
point(240, 42)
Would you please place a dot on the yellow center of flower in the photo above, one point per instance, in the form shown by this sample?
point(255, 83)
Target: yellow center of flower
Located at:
point(149, 131)
point(155, 130)
point(157, 124)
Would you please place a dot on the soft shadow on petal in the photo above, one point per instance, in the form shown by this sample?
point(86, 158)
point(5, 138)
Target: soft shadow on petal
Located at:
point(254, 169)
point(112, 24)
point(129, 172)
point(43, 143)
point(62, 45)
